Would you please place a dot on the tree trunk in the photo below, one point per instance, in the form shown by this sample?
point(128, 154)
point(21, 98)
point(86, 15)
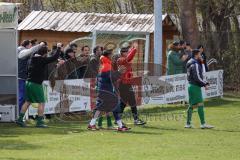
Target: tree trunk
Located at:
point(207, 34)
point(35, 5)
point(188, 18)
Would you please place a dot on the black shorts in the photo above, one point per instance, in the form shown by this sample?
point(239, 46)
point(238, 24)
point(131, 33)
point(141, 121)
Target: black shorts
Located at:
point(127, 94)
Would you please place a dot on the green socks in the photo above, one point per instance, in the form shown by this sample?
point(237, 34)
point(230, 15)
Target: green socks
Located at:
point(21, 115)
point(20, 120)
point(100, 120)
point(201, 114)
point(40, 122)
point(189, 114)
point(109, 121)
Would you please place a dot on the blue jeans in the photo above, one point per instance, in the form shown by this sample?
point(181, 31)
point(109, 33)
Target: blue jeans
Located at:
point(21, 93)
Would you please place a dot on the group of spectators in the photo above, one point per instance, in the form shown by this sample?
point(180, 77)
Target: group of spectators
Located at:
point(179, 53)
point(34, 59)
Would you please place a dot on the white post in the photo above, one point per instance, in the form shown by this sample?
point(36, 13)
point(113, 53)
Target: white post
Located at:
point(146, 54)
point(147, 47)
point(17, 109)
point(94, 39)
point(158, 35)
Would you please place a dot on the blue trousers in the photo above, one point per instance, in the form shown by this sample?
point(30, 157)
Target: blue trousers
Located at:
point(21, 93)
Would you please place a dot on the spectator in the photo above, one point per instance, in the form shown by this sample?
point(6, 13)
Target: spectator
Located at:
point(60, 45)
point(70, 54)
point(182, 44)
point(174, 60)
point(52, 66)
point(94, 63)
point(33, 42)
point(188, 52)
point(82, 69)
point(85, 51)
point(24, 53)
point(204, 57)
point(70, 57)
point(72, 46)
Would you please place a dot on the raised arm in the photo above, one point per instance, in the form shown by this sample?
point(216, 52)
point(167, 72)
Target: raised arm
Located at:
point(131, 54)
point(28, 52)
point(54, 57)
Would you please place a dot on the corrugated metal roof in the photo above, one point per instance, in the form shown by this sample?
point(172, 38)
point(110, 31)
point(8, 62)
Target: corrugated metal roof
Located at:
point(88, 22)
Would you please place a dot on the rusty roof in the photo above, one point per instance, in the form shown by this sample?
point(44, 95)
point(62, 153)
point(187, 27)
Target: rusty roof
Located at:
point(88, 22)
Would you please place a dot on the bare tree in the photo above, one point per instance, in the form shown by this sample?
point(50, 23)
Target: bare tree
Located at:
point(188, 18)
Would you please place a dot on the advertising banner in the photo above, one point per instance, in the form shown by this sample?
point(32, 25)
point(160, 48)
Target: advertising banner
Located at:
point(8, 15)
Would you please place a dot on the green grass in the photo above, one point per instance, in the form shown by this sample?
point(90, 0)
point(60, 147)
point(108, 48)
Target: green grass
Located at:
point(161, 139)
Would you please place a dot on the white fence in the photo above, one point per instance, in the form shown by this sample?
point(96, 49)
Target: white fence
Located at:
point(75, 95)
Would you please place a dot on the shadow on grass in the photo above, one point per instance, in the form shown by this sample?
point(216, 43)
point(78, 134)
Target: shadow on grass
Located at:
point(12, 130)
point(156, 131)
point(161, 128)
point(223, 130)
point(219, 102)
point(160, 109)
point(215, 102)
point(141, 132)
point(17, 145)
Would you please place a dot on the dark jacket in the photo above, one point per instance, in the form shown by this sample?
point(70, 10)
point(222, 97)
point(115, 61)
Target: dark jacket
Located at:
point(204, 57)
point(115, 58)
point(195, 73)
point(93, 66)
point(189, 53)
point(37, 67)
point(76, 67)
point(67, 71)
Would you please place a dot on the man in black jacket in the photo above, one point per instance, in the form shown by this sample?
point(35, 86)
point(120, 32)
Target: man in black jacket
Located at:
point(34, 88)
point(24, 53)
point(195, 79)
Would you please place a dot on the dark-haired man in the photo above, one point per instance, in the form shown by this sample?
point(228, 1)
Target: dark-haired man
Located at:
point(34, 88)
point(72, 46)
point(188, 53)
point(125, 85)
point(33, 42)
point(82, 69)
point(195, 79)
point(85, 51)
point(94, 63)
point(24, 53)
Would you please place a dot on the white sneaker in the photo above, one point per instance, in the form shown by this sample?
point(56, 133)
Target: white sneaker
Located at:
point(206, 126)
point(188, 126)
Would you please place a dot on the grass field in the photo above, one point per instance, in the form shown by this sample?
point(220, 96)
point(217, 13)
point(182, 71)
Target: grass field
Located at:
point(163, 138)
